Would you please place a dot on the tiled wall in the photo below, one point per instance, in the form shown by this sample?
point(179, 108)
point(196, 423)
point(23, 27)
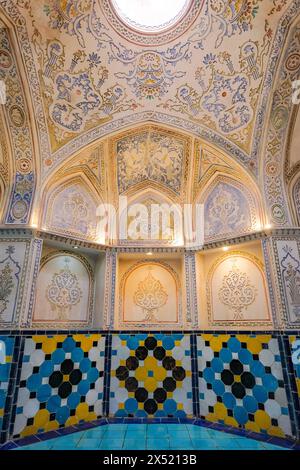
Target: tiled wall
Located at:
point(241, 382)
point(6, 357)
point(151, 376)
point(60, 380)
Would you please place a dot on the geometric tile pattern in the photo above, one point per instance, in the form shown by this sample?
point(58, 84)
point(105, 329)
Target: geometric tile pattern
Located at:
point(295, 348)
point(61, 382)
point(241, 382)
point(6, 356)
point(151, 376)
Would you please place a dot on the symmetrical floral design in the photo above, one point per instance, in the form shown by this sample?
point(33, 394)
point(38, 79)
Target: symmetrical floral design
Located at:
point(151, 155)
point(226, 211)
point(64, 292)
point(150, 296)
point(6, 286)
point(237, 292)
point(291, 276)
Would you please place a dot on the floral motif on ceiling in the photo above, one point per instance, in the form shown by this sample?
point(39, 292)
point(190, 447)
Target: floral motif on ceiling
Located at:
point(71, 210)
point(89, 75)
point(228, 211)
point(151, 155)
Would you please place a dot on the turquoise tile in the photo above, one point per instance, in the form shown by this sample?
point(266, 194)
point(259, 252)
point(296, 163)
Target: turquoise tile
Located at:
point(228, 443)
point(156, 430)
point(201, 433)
point(134, 444)
point(183, 444)
point(64, 446)
point(204, 444)
point(272, 447)
point(88, 443)
point(246, 443)
point(222, 435)
point(158, 444)
point(111, 444)
point(176, 433)
point(95, 433)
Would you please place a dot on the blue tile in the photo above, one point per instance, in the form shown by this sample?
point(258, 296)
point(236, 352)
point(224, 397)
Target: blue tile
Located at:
point(88, 444)
point(158, 444)
point(204, 444)
point(246, 443)
point(182, 444)
point(133, 444)
point(95, 433)
point(111, 444)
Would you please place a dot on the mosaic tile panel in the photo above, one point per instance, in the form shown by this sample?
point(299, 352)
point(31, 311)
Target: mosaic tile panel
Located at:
point(295, 350)
point(241, 383)
point(151, 376)
point(61, 382)
point(6, 356)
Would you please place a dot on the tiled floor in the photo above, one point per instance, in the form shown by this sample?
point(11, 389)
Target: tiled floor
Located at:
point(153, 437)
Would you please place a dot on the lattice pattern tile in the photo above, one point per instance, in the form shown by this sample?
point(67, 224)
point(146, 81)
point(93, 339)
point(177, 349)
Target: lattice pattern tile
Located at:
point(241, 382)
point(61, 382)
point(151, 375)
point(6, 356)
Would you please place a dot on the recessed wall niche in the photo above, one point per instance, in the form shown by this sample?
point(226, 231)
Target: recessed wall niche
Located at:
point(232, 288)
point(65, 291)
point(149, 292)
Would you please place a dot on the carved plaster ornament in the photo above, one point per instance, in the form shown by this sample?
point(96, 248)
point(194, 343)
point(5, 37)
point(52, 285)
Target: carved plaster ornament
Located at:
point(150, 296)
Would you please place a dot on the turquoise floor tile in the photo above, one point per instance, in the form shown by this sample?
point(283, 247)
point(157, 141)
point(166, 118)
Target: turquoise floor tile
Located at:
point(111, 444)
point(86, 443)
point(95, 433)
point(204, 444)
point(228, 443)
point(176, 433)
point(201, 433)
point(158, 444)
point(183, 444)
point(138, 444)
point(246, 443)
point(157, 430)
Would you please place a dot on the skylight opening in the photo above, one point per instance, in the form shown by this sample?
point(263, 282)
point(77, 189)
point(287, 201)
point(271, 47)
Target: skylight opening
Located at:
point(151, 16)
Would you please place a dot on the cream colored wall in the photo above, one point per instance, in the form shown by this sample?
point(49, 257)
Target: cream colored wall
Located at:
point(258, 314)
point(99, 290)
point(161, 268)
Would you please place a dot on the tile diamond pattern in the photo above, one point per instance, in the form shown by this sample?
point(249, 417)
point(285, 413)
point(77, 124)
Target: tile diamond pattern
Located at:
point(241, 383)
point(151, 376)
point(61, 382)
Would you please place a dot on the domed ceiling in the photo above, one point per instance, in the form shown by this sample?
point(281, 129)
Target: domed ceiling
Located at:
point(95, 67)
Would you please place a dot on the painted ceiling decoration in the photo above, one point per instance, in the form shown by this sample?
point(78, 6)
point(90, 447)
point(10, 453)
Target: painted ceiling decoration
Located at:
point(201, 71)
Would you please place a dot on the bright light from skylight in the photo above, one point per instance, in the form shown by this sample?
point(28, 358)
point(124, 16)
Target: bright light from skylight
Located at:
point(151, 15)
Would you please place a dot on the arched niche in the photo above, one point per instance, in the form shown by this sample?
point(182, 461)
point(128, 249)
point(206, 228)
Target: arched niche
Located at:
point(237, 292)
point(70, 209)
point(64, 291)
point(230, 209)
point(142, 213)
point(150, 295)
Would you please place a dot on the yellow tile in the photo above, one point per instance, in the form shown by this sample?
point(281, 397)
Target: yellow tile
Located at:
point(169, 394)
point(220, 410)
point(237, 378)
point(51, 425)
point(82, 410)
point(121, 406)
point(160, 406)
point(49, 345)
point(122, 362)
point(276, 431)
point(1, 412)
point(177, 343)
point(216, 342)
point(180, 406)
point(178, 363)
point(65, 378)
point(8, 359)
point(159, 342)
point(122, 384)
point(29, 431)
point(160, 373)
point(150, 363)
point(131, 395)
point(252, 426)
point(123, 342)
point(71, 421)
point(230, 421)
point(141, 374)
point(150, 384)
point(254, 345)
point(262, 419)
point(140, 406)
point(41, 418)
